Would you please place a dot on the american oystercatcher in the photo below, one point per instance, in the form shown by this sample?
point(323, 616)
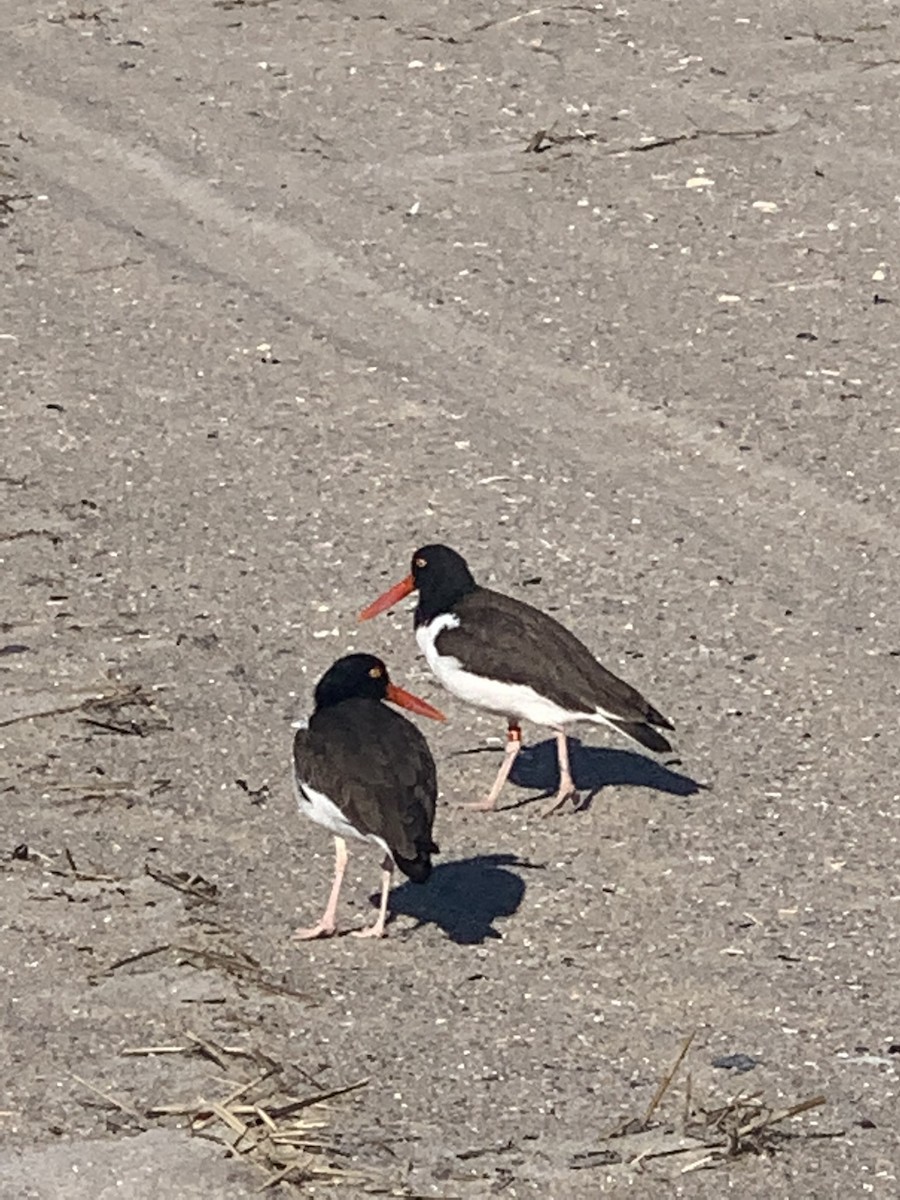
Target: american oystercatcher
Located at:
point(501, 654)
point(363, 771)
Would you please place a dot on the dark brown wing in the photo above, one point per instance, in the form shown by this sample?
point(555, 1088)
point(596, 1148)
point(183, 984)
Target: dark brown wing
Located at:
point(377, 768)
point(510, 640)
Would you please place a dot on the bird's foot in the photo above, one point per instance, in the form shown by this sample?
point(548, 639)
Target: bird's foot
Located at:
point(556, 802)
point(324, 929)
point(370, 931)
point(486, 804)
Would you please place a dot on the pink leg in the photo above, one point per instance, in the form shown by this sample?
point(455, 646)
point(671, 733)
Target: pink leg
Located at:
point(328, 924)
point(566, 782)
point(513, 746)
point(377, 930)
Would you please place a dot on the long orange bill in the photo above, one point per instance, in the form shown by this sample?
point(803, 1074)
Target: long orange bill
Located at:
point(405, 699)
point(391, 597)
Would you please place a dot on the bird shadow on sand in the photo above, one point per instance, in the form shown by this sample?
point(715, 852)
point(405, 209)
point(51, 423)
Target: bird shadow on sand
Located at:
point(464, 898)
point(594, 768)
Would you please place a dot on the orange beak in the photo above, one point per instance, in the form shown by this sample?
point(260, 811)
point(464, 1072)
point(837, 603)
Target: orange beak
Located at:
point(405, 699)
point(391, 597)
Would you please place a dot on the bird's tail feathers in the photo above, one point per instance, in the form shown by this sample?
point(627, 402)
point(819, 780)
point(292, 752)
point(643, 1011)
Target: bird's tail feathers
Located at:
point(645, 735)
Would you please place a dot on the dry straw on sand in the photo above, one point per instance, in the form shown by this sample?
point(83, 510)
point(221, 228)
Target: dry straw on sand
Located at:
point(744, 1124)
point(258, 1121)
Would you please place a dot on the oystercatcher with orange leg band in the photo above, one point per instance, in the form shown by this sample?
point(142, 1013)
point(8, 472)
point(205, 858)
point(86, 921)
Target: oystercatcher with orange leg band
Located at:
point(365, 772)
point(501, 654)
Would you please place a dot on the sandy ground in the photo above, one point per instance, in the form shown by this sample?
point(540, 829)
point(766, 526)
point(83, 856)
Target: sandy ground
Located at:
point(604, 297)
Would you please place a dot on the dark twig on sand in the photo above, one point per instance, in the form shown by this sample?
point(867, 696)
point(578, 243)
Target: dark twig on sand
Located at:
point(666, 1082)
point(43, 712)
point(119, 1104)
point(208, 1049)
point(100, 710)
point(75, 872)
point(194, 886)
point(544, 139)
point(693, 135)
point(136, 957)
point(132, 729)
point(24, 533)
point(241, 966)
point(237, 964)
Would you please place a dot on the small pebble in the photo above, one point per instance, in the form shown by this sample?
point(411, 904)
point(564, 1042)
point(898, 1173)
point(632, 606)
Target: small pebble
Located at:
point(736, 1062)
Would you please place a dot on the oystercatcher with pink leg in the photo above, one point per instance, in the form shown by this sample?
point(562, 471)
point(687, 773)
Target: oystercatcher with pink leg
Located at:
point(365, 772)
point(501, 654)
